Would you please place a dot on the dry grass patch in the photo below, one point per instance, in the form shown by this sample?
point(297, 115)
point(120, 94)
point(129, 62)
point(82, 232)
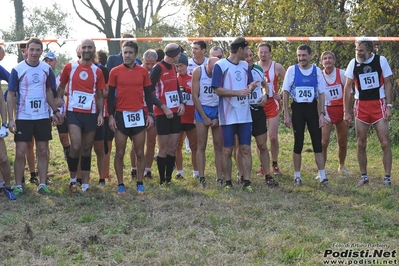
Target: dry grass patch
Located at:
point(186, 225)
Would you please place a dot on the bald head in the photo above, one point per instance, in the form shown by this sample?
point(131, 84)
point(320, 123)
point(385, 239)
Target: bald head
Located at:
point(88, 50)
point(2, 53)
point(210, 63)
point(172, 52)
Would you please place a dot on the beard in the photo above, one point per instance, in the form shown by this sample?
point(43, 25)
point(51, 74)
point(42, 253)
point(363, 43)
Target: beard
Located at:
point(363, 58)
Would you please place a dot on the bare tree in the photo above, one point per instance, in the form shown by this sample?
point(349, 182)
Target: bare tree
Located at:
point(19, 23)
point(142, 16)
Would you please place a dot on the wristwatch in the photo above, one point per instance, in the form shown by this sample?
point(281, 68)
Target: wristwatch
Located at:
point(4, 125)
point(389, 105)
point(151, 114)
point(323, 113)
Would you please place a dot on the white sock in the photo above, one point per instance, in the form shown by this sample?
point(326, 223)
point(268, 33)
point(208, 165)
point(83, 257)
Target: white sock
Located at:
point(41, 185)
point(85, 187)
point(195, 173)
point(72, 180)
point(297, 175)
point(181, 172)
point(322, 174)
point(147, 170)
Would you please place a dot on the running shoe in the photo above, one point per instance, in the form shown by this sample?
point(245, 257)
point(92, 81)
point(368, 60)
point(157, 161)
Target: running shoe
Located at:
point(203, 182)
point(275, 169)
point(18, 192)
point(179, 177)
point(33, 179)
point(247, 186)
point(387, 181)
point(240, 179)
point(140, 189)
point(79, 181)
point(324, 183)
point(219, 181)
point(364, 180)
point(297, 181)
point(148, 175)
point(228, 186)
point(101, 182)
point(9, 193)
point(121, 189)
point(270, 181)
point(260, 172)
point(344, 171)
point(73, 187)
point(44, 190)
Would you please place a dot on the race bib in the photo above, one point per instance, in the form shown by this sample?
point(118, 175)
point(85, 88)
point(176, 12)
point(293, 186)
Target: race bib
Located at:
point(133, 119)
point(187, 98)
point(333, 92)
point(82, 100)
point(239, 101)
point(304, 94)
point(369, 81)
point(34, 105)
point(172, 99)
point(255, 96)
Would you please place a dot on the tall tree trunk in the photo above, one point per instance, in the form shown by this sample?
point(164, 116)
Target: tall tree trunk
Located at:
point(19, 23)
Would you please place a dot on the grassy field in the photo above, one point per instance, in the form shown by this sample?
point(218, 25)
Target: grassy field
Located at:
point(187, 225)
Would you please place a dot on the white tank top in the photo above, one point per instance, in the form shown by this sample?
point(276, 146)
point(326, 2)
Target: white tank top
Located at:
point(207, 95)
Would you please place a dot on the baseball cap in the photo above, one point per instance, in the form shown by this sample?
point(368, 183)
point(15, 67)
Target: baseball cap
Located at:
point(183, 59)
point(50, 55)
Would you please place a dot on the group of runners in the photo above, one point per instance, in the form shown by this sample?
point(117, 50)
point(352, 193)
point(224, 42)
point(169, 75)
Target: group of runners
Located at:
point(166, 98)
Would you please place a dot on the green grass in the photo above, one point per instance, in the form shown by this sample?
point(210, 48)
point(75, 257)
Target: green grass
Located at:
point(186, 225)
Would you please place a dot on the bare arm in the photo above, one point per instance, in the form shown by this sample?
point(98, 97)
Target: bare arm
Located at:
point(287, 118)
point(388, 96)
point(195, 92)
point(222, 92)
point(347, 99)
point(100, 102)
point(3, 107)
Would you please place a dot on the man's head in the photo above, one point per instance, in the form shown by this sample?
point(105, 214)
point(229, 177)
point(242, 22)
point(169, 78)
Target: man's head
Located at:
point(125, 35)
point(264, 51)
point(88, 50)
point(2, 53)
point(22, 48)
point(79, 51)
point(150, 58)
point(304, 54)
point(181, 65)
point(102, 57)
point(129, 53)
point(364, 50)
point(210, 63)
point(160, 53)
point(327, 59)
point(216, 51)
point(34, 48)
point(198, 49)
point(172, 53)
point(51, 59)
point(249, 57)
point(239, 46)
